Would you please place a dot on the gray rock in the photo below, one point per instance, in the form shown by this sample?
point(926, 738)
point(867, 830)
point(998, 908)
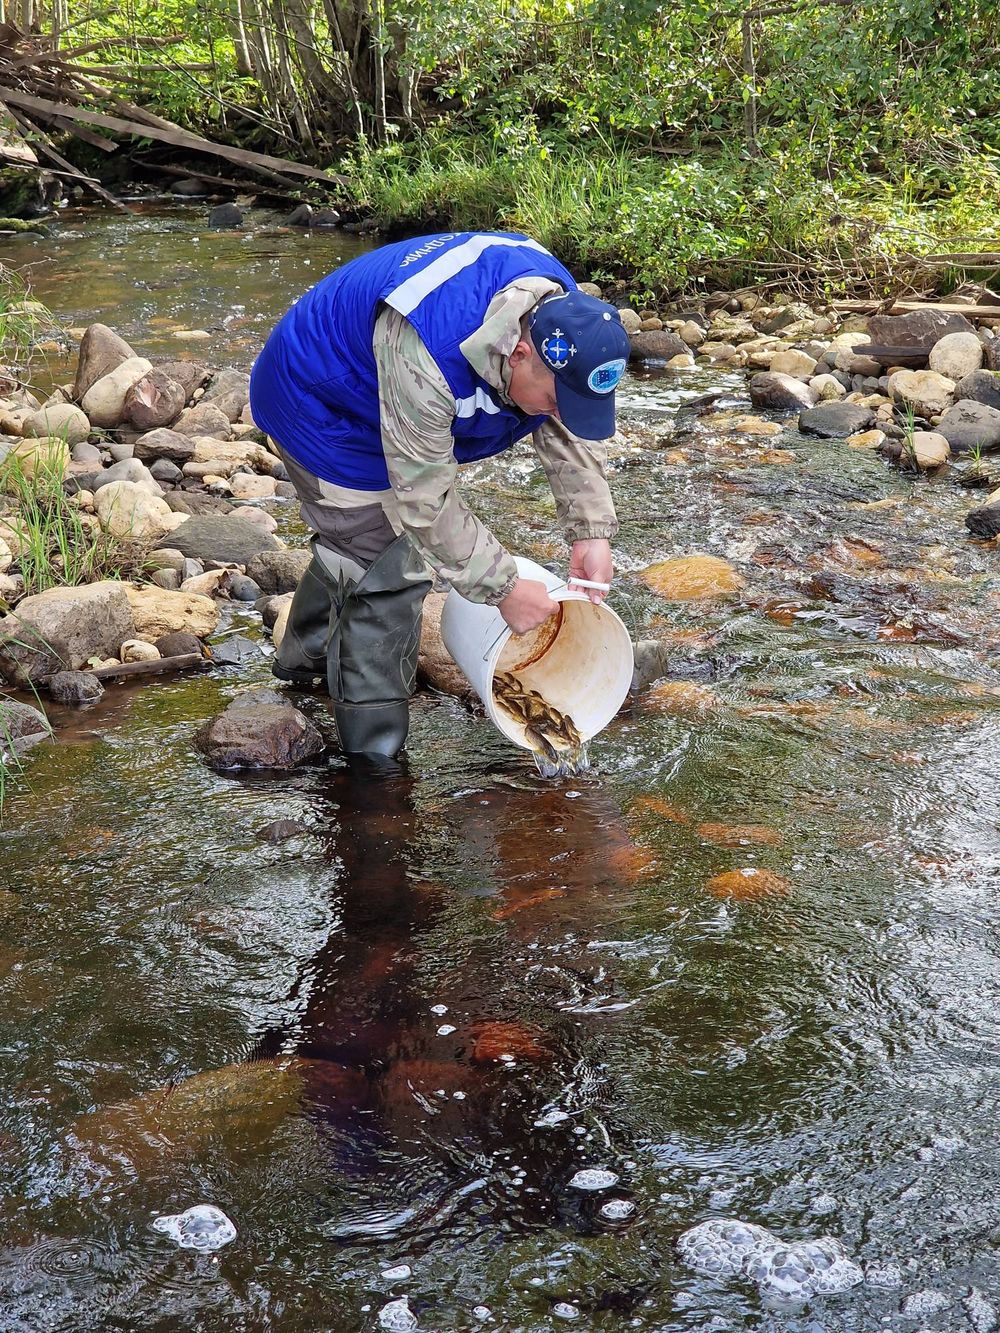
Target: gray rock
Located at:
point(74, 687)
point(86, 453)
point(101, 350)
point(224, 382)
point(279, 830)
point(189, 188)
point(61, 628)
point(225, 215)
point(302, 216)
point(991, 354)
point(979, 386)
point(781, 393)
point(163, 443)
point(197, 502)
point(153, 401)
point(191, 569)
point(120, 450)
point(984, 522)
point(219, 537)
point(129, 469)
point(917, 328)
point(21, 727)
point(170, 579)
point(278, 571)
point(836, 420)
point(285, 490)
point(326, 217)
point(204, 419)
point(243, 589)
point(657, 345)
point(259, 729)
point(969, 424)
point(234, 651)
point(167, 473)
point(177, 644)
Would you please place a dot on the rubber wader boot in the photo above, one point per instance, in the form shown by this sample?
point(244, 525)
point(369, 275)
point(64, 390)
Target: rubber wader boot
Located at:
point(373, 647)
point(301, 657)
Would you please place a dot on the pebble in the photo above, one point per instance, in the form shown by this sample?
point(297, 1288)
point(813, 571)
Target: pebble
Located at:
point(397, 1274)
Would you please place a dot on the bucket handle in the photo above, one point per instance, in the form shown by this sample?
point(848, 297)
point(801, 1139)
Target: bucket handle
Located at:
point(584, 583)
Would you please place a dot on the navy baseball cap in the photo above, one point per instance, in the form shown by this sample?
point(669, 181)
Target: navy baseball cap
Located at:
point(582, 341)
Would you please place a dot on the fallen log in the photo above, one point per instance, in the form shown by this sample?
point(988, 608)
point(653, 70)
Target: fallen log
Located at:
point(176, 137)
point(904, 307)
point(289, 191)
point(68, 169)
point(160, 664)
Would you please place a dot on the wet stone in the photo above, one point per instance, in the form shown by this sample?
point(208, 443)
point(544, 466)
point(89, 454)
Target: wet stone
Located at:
point(234, 651)
point(176, 644)
point(21, 727)
point(836, 420)
point(259, 729)
point(74, 687)
point(243, 589)
point(278, 571)
point(280, 830)
point(220, 538)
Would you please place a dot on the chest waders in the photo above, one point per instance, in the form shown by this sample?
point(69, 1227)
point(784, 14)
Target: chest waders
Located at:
point(359, 628)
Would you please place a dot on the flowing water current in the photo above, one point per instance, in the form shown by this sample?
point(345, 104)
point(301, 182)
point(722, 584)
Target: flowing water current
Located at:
point(468, 1049)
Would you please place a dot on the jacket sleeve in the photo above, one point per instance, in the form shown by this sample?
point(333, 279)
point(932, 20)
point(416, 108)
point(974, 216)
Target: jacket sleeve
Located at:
point(416, 410)
point(575, 470)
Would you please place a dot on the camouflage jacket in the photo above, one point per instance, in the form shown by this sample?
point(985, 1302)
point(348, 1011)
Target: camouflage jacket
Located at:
point(417, 409)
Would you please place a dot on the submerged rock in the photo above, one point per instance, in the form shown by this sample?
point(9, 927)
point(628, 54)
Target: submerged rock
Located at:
point(259, 729)
point(688, 578)
point(75, 688)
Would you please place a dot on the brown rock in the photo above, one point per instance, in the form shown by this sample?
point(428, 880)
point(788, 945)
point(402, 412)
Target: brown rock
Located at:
point(153, 401)
point(177, 644)
point(259, 729)
point(190, 375)
point(748, 884)
point(159, 611)
point(62, 628)
point(657, 345)
point(917, 328)
point(101, 351)
point(204, 419)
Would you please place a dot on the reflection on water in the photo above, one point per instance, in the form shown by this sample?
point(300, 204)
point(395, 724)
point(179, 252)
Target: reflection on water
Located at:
point(454, 1044)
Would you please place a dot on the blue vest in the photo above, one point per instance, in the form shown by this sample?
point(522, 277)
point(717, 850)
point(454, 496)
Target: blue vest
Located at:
point(314, 387)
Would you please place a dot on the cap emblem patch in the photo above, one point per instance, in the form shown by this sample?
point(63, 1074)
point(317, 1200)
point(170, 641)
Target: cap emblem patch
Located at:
point(605, 377)
point(556, 350)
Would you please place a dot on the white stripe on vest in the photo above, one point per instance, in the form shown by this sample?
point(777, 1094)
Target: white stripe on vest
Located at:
point(479, 402)
point(407, 296)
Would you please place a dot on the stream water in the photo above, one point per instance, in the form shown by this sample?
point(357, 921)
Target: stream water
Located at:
point(386, 1045)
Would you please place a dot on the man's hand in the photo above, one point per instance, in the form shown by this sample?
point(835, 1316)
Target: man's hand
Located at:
point(591, 559)
point(527, 605)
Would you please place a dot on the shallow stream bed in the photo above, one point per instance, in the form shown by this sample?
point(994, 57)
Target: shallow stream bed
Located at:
point(386, 1045)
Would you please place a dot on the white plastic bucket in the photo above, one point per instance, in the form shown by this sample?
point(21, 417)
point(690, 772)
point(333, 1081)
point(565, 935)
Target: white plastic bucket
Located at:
point(579, 661)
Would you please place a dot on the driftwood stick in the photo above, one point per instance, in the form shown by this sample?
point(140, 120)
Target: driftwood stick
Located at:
point(154, 668)
point(46, 148)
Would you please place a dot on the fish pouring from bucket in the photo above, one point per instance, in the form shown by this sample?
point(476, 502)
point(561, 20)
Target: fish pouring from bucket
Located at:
point(553, 736)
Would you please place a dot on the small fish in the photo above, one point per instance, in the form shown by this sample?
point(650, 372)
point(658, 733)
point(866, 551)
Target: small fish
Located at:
point(546, 730)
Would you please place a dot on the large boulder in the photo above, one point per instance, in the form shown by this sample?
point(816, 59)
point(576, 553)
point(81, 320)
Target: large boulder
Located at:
point(64, 421)
point(278, 571)
point(104, 401)
point(927, 392)
point(153, 401)
point(780, 393)
point(259, 729)
point(956, 355)
point(159, 611)
point(126, 509)
point(917, 328)
point(435, 664)
point(21, 727)
point(222, 538)
point(980, 386)
point(101, 350)
point(968, 425)
point(62, 628)
point(656, 345)
point(163, 443)
point(836, 420)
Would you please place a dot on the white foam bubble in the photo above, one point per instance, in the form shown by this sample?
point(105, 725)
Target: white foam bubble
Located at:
point(593, 1178)
point(482, 1313)
point(565, 1311)
point(617, 1210)
point(889, 1276)
point(397, 1317)
point(202, 1227)
point(729, 1248)
point(923, 1303)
